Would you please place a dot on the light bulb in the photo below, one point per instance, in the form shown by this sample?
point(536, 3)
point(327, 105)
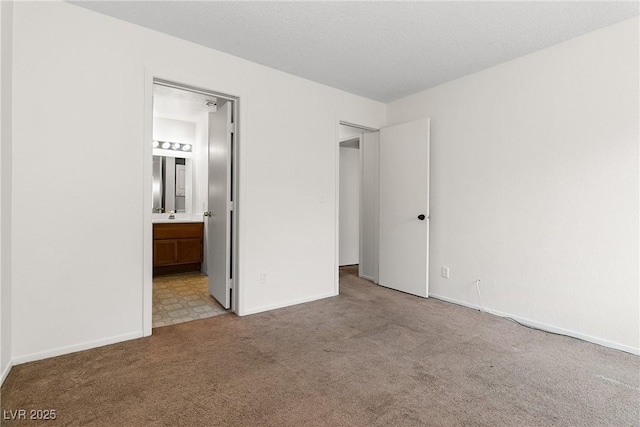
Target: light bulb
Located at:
point(176, 146)
point(156, 144)
point(166, 145)
point(186, 147)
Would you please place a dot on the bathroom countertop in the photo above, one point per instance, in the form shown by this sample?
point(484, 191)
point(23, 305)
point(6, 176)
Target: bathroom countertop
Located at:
point(179, 219)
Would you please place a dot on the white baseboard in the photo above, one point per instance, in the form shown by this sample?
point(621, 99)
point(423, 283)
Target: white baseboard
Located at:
point(544, 326)
point(5, 372)
point(454, 301)
point(362, 276)
point(74, 348)
point(285, 304)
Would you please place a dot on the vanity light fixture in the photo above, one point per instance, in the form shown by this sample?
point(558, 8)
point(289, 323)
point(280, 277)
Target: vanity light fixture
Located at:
point(168, 145)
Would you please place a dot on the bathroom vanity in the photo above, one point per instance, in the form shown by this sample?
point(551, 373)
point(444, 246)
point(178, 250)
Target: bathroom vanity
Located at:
point(177, 246)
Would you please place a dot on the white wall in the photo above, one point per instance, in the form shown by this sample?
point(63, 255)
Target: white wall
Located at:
point(535, 186)
point(78, 274)
point(349, 206)
point(6, 14)
point(165, 129)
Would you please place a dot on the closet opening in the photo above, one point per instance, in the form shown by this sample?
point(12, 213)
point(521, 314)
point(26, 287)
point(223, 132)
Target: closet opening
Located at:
point(357, 201)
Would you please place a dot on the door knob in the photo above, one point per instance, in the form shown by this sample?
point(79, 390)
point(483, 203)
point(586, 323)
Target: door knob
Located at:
point(421, 217)
point(208, 214)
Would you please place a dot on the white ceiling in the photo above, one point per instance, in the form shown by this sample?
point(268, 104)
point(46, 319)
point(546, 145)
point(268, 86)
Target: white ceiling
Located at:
point(180, 104)
point(380, 50)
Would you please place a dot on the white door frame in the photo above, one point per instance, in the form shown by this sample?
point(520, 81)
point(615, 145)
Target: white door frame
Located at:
point(336, 268)
point(180, 81)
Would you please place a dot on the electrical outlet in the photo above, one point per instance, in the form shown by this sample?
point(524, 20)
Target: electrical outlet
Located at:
point(263, 277)
point(445, 272)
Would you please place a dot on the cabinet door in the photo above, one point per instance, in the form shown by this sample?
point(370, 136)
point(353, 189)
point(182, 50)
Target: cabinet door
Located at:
point(165, 252)
point(189, 251)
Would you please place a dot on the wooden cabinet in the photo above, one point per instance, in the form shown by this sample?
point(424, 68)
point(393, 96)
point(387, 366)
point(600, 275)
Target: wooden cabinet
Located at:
point(177, 247)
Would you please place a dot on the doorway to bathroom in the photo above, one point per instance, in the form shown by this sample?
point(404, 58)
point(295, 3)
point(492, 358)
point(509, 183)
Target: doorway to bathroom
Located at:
point(194, 205)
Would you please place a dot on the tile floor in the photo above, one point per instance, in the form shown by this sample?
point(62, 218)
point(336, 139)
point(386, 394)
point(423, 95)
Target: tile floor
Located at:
point(181, 298)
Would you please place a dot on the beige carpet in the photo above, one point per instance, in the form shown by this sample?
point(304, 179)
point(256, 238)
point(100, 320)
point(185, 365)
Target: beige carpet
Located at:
point(371, 356)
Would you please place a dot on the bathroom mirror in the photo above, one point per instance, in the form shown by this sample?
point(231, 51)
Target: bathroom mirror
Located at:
point(172, 188)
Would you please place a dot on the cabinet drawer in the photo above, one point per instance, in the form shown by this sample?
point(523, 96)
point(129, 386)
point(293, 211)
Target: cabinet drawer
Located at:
point(177, 231)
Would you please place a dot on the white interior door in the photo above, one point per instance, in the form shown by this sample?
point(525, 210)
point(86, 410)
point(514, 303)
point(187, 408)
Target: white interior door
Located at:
point(404, 207)
point(219, 219)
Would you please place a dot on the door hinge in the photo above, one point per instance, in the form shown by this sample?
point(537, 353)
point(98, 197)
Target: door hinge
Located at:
point(230, 283)
point(231, 127)
point(231, 206)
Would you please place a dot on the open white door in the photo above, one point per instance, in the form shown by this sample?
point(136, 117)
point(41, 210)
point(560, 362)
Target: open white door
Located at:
point(219, 219)
point(404, 207)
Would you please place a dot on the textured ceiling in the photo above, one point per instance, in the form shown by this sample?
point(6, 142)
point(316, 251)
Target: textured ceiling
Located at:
point(380, 50)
